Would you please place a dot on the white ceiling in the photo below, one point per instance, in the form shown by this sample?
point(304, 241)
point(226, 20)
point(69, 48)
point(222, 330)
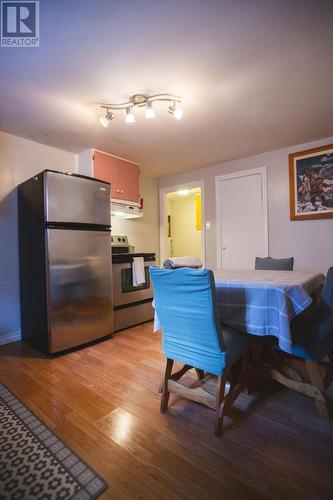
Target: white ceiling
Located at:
point(254, 75)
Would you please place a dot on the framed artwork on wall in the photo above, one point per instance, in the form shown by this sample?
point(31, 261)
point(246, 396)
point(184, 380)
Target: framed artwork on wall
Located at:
point(311, 183)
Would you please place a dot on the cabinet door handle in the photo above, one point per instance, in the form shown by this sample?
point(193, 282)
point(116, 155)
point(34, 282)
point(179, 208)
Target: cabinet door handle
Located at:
point(122, 191)
point(118, 190)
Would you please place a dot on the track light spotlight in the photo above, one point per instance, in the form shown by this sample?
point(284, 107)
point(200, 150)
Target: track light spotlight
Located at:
point(130, 118)
point(176, 111)
point(105, 120)
point(149, 113)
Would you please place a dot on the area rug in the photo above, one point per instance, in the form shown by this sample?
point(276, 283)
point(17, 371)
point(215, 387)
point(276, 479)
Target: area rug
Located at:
point(35, 463)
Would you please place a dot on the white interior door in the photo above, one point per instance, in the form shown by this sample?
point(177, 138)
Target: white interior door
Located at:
point(241, 219)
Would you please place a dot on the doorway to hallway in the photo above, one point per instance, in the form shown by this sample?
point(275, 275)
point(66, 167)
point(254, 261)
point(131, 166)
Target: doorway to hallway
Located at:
point(182, 228)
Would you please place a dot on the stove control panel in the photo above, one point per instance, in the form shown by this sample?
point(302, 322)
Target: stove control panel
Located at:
point(119, 240)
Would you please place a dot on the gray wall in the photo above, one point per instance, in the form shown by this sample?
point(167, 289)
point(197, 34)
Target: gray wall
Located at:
point(310, 242)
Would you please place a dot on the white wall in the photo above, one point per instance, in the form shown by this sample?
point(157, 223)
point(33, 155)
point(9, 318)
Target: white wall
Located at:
point(19, 160)
point(310, 242)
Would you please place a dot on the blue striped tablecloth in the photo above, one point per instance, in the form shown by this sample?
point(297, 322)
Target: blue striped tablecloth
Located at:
point(265, 302)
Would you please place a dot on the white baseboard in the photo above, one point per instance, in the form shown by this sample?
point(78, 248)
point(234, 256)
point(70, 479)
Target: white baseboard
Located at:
point(9, 338)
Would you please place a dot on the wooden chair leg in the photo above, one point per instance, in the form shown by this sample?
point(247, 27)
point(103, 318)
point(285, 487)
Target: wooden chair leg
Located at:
point(177, 375)
point(200, 373)
point(165, 390)
point(329, 373)
point(220, 390)
point(316, 379)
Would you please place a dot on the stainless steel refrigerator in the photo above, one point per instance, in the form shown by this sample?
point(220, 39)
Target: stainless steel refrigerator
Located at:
point(65, 260)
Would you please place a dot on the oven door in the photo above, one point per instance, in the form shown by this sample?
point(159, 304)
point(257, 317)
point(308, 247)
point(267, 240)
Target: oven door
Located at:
point(123, 290)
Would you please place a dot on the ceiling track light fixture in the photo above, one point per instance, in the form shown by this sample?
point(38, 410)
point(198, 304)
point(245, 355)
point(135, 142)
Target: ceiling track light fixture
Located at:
point(143, 100)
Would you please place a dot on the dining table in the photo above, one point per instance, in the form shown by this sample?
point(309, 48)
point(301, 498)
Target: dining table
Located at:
point(264, 303)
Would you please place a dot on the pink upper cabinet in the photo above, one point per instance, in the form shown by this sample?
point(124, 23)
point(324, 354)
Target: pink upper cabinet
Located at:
point(129, 181)
point(122, 175)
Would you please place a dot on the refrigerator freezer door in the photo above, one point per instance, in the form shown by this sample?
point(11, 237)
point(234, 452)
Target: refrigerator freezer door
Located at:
point(74, 199)
point(80, 287)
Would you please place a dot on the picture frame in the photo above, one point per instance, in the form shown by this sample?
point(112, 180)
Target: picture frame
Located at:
point(311, 183)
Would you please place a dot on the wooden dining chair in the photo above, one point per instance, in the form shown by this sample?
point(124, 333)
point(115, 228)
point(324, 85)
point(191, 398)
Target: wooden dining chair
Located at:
point(270, 264)
point(185, 302)
point(310, 368)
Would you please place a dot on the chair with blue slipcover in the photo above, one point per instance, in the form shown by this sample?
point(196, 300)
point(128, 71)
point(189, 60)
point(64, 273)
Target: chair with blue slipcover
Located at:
point(185, 303)
point(260, 345)
point(270, 264)
point(312, 351)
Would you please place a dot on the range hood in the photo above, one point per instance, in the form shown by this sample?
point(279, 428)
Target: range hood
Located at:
point(122, 210)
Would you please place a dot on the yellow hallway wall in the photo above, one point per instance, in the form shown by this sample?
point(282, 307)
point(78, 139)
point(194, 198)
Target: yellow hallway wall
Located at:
point(185, 237)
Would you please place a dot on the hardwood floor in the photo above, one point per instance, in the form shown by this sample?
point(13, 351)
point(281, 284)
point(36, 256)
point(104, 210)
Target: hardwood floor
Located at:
point(103, 400)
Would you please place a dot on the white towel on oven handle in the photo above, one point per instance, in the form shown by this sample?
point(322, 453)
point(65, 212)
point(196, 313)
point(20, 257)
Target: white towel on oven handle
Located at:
point(138, 271)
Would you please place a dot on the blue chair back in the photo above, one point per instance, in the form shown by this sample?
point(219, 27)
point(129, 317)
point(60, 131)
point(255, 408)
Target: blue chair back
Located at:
point(185, 302)
point(270, 264)
point(325, 311)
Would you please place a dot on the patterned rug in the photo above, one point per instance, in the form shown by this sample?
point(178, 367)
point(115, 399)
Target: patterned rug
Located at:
point(34, 463)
